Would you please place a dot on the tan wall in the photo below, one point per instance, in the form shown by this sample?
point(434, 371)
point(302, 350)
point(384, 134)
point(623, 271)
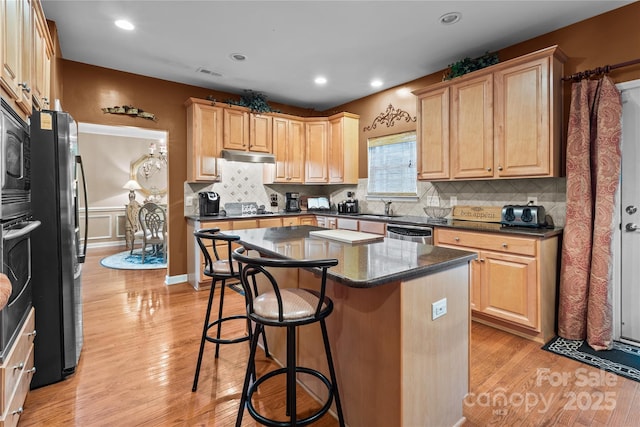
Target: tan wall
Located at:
point(606, 39)
point(609, 38)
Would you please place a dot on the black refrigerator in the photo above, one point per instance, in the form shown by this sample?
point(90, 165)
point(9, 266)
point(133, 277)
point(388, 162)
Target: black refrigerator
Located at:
point(58, 251)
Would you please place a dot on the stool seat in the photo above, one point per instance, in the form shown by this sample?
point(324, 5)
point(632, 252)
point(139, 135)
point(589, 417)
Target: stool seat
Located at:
point(297, 304)
point(271, 305)
point(220, 268)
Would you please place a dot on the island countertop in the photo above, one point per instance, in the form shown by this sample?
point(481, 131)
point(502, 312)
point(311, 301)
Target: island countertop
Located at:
point(361, 265)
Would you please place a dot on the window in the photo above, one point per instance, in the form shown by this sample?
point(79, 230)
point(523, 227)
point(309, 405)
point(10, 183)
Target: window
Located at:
point(392, 165)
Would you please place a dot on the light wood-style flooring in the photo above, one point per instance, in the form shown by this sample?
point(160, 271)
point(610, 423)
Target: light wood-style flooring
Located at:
point(141, 343)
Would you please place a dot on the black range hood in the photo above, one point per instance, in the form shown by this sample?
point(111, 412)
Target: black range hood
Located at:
point(247, 156)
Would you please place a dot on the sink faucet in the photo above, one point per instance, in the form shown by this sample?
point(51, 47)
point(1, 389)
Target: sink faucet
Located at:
point(387, 207)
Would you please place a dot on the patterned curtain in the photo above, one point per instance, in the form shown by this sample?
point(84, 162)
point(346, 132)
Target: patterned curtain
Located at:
point(593, 174)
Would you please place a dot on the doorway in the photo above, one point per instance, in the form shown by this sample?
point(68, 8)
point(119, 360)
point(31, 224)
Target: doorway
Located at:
point(110, 154)
point(627, 318)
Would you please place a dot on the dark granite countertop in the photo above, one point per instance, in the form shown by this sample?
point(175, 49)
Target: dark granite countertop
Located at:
point(408, 220)
point(363, 265)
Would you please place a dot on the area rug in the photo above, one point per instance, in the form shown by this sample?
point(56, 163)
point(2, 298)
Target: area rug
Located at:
point(623, 359)
point(126, 261)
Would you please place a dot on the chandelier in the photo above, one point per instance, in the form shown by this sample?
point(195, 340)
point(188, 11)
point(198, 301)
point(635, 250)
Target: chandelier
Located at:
point(154, 163)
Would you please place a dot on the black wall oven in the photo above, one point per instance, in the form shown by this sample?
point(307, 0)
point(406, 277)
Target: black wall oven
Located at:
point(15, 247)
point(15, 164)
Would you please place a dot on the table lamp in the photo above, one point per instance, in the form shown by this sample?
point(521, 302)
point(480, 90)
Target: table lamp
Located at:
point(132, 185)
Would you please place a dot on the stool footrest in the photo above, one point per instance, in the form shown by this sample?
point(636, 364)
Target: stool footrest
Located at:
point(302, 422)
point(226, 340)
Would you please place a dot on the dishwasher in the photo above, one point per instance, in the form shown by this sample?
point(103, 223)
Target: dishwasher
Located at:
point(413, 233)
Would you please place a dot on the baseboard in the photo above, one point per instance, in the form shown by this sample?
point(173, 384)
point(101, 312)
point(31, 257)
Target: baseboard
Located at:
point(175, 280)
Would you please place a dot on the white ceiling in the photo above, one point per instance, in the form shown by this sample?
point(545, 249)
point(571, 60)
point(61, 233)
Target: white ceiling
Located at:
point(289, 43)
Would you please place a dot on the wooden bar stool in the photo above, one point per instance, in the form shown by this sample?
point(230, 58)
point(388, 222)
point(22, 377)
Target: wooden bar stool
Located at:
point(286, 308)
point(220, 269)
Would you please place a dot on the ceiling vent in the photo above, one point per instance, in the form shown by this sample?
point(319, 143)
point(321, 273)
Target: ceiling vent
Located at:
point(209, 72)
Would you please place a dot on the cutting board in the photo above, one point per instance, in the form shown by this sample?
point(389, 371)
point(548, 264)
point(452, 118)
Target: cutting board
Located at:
point(347, 236)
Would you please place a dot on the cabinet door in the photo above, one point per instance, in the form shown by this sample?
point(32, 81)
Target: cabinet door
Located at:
point(343, 149)
point(317, 159)
point(433, 134)
point(236, 130)
point(10, 46)
point(295, 151)
point(290, 221)
point(308, 220)
point(204, 139)
point(280, 138)
point(41, 64)
point(509, 288)
point(475, 276)
point(472, 128)
point(26, 81)
point(522, 108)
point(336, 151)
point(260, 133)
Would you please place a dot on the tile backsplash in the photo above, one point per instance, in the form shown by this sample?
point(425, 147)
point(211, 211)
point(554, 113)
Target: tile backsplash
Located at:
point(242, 182)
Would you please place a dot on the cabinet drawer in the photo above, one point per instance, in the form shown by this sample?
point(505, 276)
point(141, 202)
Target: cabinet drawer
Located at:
point(15, 405)
point(17, 361)
point(488, 241)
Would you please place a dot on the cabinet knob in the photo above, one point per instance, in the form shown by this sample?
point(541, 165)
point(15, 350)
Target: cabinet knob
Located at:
point(18, 411)
point(488, 169)
point(32, 334)
point(25, 87)
point(499, 168)
point(31, 371)
point(481, 259)
point(504, 245)
point(19, 366)
point(457, 239)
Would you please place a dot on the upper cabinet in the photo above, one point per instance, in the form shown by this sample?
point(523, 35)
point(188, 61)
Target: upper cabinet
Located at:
point(25, 54)
point(500, 122)
point(343, 148)
point(317, 160)
point(246, 131)
point(288, 147)
point(204, 140)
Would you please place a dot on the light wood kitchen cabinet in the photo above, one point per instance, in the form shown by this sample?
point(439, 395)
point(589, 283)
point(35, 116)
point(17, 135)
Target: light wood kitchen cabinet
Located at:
point(503, 121)
point(289, 148)
point(236, 129)
point(317, 152)
point(327, 222)
point(343, 148)
point(16, 373)
point(260, 133)
point(347, 224)
point(269, 222)
point(308, 220)
point(472, 128)
point(42, 57)
point(512, 282)
point(374, 227)
point(204, 141)
point(433, 133)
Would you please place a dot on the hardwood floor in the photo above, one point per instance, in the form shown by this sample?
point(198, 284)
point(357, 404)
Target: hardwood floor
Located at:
point(140, 348)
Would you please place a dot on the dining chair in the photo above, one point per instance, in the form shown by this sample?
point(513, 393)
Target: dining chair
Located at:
point(153, 220)
point(133, 231)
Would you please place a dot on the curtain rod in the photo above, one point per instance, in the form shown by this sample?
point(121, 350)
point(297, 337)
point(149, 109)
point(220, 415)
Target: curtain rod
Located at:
point(600, 70)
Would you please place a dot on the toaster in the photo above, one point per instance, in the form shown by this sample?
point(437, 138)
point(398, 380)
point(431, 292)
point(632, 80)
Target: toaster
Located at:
point(523, 216)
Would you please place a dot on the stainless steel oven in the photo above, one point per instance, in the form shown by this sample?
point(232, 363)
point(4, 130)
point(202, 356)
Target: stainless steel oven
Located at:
point(15, 247)
point(413, 233)
point(15, 164)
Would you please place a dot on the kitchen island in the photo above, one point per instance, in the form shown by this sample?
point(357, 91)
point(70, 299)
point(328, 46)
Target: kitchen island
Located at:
point(395, 364)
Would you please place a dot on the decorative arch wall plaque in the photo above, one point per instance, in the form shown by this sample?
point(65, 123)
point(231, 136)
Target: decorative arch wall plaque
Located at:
point(389, 117)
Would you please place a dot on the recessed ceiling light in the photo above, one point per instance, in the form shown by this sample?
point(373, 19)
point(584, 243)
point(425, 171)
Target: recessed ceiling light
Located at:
point(124, 24)
point(450, 18)
point(376, 83)
point(320, 80)
point(238, 57)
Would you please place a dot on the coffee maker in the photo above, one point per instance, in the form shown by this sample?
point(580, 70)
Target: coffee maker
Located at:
point(209, 203)
point(292, 202)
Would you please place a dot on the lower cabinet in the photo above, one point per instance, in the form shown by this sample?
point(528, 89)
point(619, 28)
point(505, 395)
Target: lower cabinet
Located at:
point(16, 373)
point(512, 282)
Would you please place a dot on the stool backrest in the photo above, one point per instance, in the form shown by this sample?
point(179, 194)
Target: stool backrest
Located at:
point(212, 256)
point(251, 268)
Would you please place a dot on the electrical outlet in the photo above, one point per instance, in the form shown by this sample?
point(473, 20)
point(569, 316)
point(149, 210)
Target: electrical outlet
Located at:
point(453, 200)
point(189, 201)
point(532, 199)
point(438, 308)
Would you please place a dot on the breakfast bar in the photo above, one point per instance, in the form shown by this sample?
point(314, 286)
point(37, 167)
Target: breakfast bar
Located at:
point(399, 360)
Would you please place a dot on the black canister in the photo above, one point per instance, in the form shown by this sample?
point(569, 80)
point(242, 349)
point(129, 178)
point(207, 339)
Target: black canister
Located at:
point(209, 203)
